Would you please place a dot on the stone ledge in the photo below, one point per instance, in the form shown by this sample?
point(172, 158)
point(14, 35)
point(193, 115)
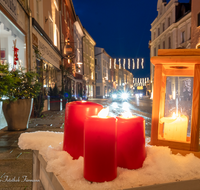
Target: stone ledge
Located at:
point(52, 182)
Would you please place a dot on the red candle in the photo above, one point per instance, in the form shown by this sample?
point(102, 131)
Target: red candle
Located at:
point(100, 158)
point(131, 151)
point(75, 115)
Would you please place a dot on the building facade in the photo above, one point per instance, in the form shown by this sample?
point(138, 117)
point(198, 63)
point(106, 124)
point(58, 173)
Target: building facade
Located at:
point(171, 29)
point(80, 87)
point(89, 64)
point(195, 25)
point(14, 27)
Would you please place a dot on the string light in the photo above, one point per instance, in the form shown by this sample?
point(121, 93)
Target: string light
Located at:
point(124, 63)
point(114, 63)
point(142, 64)
point(119, 63)
point(138, 63)
point(133, 63)
point(129, 64)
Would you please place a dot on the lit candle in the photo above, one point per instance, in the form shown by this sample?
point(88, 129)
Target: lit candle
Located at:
point(175, 128)
point(75, 115)
point(131, 151)
point(100, 159)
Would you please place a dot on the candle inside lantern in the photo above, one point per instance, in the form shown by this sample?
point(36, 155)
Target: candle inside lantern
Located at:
point(131, 151)
point(75, 115)
point(175, 127)
point(100, 161)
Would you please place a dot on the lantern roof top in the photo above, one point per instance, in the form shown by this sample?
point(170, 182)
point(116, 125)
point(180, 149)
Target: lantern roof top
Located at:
point(177, 57)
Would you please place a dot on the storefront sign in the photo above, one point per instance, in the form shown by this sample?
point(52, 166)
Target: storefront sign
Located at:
point(10, 6)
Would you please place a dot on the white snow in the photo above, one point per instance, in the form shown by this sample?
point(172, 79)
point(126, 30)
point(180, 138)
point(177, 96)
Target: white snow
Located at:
point(160, 166)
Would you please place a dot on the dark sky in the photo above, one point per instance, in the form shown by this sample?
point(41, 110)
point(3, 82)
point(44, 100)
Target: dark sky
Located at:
point(121, 27)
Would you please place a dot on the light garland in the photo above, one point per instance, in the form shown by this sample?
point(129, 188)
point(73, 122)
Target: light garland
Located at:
point(129, 64)
point(134, 66)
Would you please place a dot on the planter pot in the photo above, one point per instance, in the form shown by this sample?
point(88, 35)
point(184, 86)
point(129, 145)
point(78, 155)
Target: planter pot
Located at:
point(17, 114)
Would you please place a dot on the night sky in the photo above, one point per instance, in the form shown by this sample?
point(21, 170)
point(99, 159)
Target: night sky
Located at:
point(121, 27)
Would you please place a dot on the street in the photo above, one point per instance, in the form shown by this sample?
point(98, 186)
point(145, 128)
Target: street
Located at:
point(139, 107)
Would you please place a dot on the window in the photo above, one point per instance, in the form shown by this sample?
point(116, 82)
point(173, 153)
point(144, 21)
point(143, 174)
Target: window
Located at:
point(163, 44)
point(169, 21)
point(154, 35)
point(183, 37)
point(50, 28)
point(95, 61)
point(37, 10)
point(163, 27)
point(158, 31)
point(159, 46)
point(98, 90)
point(65, 12)
point(198, 20)
point(96, 76)
point(169, 42)
point(56, 4)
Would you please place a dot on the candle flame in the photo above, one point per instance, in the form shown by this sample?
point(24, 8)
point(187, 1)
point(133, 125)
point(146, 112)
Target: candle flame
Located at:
point(127, 114)
point(104, 112)
point(174, 116)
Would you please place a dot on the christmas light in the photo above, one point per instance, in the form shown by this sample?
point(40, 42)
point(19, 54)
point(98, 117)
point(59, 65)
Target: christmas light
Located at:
point(129, 64)
point(138, 63)
point(119, 63)
point(114, 63)
point(142, 64)
point(133, 63)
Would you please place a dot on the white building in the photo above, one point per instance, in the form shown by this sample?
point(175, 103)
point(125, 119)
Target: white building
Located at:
point(102, 61)
point(171, 29)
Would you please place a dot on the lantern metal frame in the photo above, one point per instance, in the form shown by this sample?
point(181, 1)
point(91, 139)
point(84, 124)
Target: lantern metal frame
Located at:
point(180, 63)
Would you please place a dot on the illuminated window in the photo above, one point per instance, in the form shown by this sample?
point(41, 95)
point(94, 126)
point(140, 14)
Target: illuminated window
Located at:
point(37, 10)
point(50, 27)
point(56, 4)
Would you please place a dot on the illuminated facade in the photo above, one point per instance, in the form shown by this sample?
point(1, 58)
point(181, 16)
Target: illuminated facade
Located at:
point(195, 25)
point(45, 40)
point(170, 29)
point(89, 64)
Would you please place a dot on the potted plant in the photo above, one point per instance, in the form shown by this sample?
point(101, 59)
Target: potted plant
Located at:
point(17, 90)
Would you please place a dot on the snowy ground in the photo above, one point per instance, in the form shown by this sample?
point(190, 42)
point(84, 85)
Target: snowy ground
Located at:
point(159, 167)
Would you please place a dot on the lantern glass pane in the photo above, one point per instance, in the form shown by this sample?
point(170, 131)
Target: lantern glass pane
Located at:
point(175, 124)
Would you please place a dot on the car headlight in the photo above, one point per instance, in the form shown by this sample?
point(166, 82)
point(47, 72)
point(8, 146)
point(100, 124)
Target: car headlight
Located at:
point(114, 96)
point(124, 95)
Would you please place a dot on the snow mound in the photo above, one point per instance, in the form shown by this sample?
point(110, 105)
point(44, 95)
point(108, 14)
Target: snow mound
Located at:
point(160, 165)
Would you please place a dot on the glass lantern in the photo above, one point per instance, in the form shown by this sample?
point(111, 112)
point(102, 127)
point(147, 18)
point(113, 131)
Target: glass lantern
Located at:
point(176, 99)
